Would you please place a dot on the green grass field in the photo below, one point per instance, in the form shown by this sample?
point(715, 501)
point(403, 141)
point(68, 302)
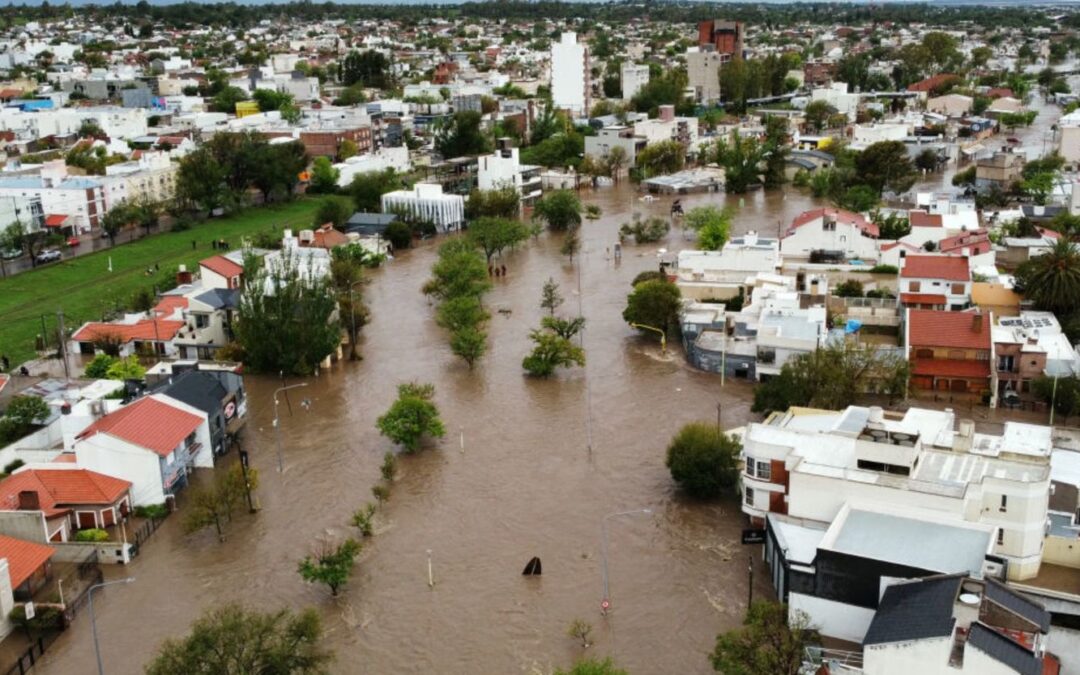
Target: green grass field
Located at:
point(84, 288)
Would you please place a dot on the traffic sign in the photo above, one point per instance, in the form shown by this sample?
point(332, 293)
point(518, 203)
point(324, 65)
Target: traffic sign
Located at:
point(29, 609)
point(605, 605)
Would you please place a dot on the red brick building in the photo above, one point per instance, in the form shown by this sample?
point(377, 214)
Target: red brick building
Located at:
point(725, 36)
point(949, 351)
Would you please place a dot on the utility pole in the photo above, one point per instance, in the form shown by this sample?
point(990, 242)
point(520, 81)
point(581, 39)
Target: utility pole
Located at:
point(62, 343)
point(750, 586)
point(719, 427)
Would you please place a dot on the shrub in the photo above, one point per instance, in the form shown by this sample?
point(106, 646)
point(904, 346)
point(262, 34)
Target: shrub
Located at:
point(98, 368)
point(93, 535)
point(884, 269)
point(152, 511)
point(703, 460)
point(12, 465)
point(850, 288)
point(399, 235)
point(648, 275)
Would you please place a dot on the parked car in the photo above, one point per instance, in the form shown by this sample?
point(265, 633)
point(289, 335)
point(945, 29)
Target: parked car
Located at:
point(48, 256)
point(73, 242)
point(11, 253)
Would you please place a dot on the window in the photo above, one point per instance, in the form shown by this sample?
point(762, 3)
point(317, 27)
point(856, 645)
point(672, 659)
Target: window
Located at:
point(1004, 503)
point(764, 471)
point(914, 286)
point(201, 320)
point(750, 467)
point(958, 289)
point(1001, 537)
point(828, 225)
point(748, 496)
point(170, 458)
point(1005, 364)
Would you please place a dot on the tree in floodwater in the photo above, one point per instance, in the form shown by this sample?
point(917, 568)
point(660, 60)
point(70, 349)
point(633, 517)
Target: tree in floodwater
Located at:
point(330, 564)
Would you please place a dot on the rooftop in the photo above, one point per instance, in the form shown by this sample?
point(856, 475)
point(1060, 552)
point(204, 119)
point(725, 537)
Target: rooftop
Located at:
point(961, 330)
point(149, 423)
point(948, 267)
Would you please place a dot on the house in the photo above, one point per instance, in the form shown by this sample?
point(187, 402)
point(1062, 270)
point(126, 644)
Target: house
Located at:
point(1029, 346)
point(615, 136)
point(208, 314)
point(154, 443)
point(999, 171)
point(935, 282)
point(956, 623)
point(950, 105)
point(833, 231)
point(218, 393)
point(24, 568)
point(949, 351)
point(324, 237)
point(134, 333)
point(808, 464)
point(68, 497)
point(503, 169)
point(721, 275)
point(834, 576)
point(222, 271)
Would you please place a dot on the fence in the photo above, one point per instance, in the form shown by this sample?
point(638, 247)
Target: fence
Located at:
point(77, 584)
point(34, 652)
point(143, 532)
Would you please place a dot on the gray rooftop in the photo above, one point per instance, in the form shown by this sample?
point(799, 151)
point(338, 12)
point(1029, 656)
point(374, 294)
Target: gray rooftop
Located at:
point(925, 545)
point(915, 610)
point(1004, 650)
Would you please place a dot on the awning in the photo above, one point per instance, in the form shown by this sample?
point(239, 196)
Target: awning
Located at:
point(973, 149)
point(55, 220)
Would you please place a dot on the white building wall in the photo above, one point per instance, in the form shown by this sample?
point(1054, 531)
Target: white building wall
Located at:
point(834, 619)
point(977, 662)
point(7, 599)
point(905, 658)
point(114, 457)
point(569, 66)
point(633, 77)
point(845, 237)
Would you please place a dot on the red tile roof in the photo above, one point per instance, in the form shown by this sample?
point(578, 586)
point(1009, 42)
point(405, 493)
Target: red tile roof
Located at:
point(960, 330)
point(146, 330)
point(948, 267)
point(223, 266)
point(59, 488)
point(10, 93)
point(1000, 92)
point(169, 304)
point(840, 215)
point(978, 241)
point(23, 557)
point(931, 82)
point(921, 299)
point(149, 423)
point(55, 220)
point(950, 368)
point(918, 218)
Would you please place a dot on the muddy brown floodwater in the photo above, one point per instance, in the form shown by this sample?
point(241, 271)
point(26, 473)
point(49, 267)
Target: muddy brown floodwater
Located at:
point(525, 484)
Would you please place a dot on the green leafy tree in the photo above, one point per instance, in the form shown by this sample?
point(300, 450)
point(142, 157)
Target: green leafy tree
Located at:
point(330, 564)
point(461, 312)
point(412, 417)
point(117, 218)
point(231, 639)
point(1052, 280)
point(127, 368)
point(816, 113)
point(214, 504)
point(551, 351)
point(493, 235)
point(704, 461)
point(561, 210)
point(277, 169)
point(886, 165)
point(742, 159)
point(593, 667)
point(769, 642)
point(324, 177)
point(27, 410)
point(1062, 393)
point(654, 303)
point(662, 157)
point(891, 226)
point(564, 328)
point(399, 235)
point(470, 343)
point(347, 279)
point(459, 271)
point(711, 224)
point(226, 100)
point(550, 298)
point(98, 368)
point(287, 319)
point(368, 69)
point(461, 135)
point(501, 203)
point(200, 181)
point(571, 243)
point(368, 188)
point(334, 210)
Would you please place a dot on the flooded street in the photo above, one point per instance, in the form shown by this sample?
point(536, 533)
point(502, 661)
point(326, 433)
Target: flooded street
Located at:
point(524, 485)
point(514, 478)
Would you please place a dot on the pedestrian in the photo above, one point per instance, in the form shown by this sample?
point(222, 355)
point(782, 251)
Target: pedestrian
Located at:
point(23, 371)
point(213, 244)
point(504, 270)
point(6, 362)
point(497, 272)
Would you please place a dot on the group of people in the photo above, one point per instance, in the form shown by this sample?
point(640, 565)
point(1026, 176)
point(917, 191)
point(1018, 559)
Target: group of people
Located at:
point(497, 270)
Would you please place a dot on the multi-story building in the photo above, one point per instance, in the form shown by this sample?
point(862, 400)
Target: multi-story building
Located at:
point(81, 200)
point(930, 281)
point(726, 37)
point(1028, 347)
point(633, 78)
point(836, 232)
point(503, 168)
point(570, 77)
point(703, 73)
point(950, 351)
point(615, 136)
point(150, 177)
point(808, 464)
point(999, 171)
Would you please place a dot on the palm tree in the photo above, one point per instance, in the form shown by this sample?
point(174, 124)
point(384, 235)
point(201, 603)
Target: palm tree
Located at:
point(1052, 280)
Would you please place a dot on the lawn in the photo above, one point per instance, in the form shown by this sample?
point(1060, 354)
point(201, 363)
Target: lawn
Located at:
point(84, 288)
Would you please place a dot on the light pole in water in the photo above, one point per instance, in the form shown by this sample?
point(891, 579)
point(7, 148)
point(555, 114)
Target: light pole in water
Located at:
point(277, 423)
point(605, 603)
point(93, 621)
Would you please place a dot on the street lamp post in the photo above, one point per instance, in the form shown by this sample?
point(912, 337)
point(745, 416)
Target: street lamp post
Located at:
point(93, 621)
point(277, 424)
point(605, 603)
point(663, 335)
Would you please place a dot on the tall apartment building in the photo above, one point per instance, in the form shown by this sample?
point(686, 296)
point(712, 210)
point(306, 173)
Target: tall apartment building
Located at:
point(633, 77)
point(703, 73)
point(570, 83)
point(726, 37)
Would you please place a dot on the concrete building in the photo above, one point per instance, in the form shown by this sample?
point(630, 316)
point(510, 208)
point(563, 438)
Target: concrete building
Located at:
point(950, 105)
point(999, 171)
point(703, 73)
point(426, 201)
point(935, 281)
point(808, 464)
point(633, 78)
point(570, 76)
point(725, 37)
point(615, 136)
point(836, 231)
point(503, 168)
point(1069, 141)
point(79, 199)
point(150, 177)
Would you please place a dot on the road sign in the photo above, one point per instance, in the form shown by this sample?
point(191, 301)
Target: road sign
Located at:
point(30, 612)
point(605, 605)
point(753, 536)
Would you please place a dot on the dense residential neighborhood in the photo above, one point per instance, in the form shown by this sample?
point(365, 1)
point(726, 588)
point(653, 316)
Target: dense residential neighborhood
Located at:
point(328, 329)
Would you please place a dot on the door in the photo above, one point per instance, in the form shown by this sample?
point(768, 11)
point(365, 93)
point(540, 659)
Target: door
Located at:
point(86, 520)
point(108, 517)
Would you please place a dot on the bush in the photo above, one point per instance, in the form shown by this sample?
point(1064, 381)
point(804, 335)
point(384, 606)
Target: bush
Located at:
point(152, 511)
point(704, 461)
point(399, 235)
point(98, 368)
point(92, 535)
point(12, 465)
point(885, 269)
point(644, 231)
point(851, 288)
point(648, 275)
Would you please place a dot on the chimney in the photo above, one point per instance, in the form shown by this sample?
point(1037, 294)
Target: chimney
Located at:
point(28, 500)
point(183, 276)
point(667, 112)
